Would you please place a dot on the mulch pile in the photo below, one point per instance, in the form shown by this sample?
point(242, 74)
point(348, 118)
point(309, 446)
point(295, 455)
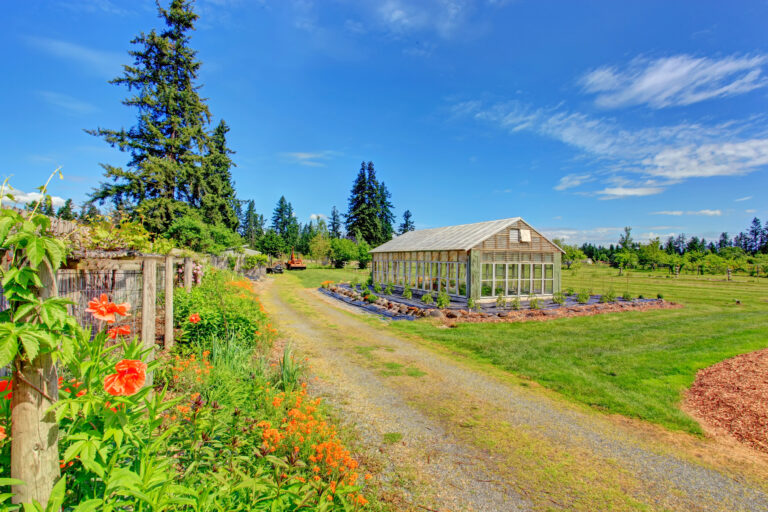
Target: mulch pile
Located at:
point(733, 396)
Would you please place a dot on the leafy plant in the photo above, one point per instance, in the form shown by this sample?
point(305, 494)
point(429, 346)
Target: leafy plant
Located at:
point(626, 296)
point(533, 302)
point(500, 300)
point(659, 296)
point(443, 300)
point(407, 293)
point(515, 303)
point(583, 297)
point(371, 298)
point(471, 304)
point(377, 287)
point(569, 291)
point(609, 296)
point(388, 289)
point(427, 298)
point(558, 298)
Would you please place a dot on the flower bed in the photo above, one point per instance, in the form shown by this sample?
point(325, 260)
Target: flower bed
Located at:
point(398, 308)
point(217, 430)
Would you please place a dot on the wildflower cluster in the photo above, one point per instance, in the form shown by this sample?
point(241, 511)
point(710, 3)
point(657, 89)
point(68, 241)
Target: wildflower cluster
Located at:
point(191, 370)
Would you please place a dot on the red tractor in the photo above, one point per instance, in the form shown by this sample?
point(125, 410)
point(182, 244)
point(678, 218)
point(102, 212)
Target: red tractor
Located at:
point(295, 263)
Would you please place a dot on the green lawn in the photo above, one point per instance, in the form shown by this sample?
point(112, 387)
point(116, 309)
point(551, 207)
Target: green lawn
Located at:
point(314, 275)
point(634, 363)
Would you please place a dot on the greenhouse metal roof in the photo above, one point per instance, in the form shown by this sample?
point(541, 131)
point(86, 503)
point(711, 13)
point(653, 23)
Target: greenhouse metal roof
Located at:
point(449, 238)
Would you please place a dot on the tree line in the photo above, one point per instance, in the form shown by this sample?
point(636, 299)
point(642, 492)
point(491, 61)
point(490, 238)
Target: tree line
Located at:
point(746, 252)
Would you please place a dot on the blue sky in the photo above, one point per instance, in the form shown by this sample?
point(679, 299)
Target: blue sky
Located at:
point(581, 117)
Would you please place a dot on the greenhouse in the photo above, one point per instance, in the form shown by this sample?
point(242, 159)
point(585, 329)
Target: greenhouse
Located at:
point(504, 257)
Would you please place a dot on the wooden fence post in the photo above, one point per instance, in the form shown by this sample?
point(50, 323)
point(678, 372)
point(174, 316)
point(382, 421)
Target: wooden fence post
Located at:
point(169, 275)
point(188, 274)
point(34, 430)
point(148, 305)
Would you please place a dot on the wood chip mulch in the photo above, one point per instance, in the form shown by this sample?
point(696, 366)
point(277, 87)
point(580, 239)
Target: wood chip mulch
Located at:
point(733, 396)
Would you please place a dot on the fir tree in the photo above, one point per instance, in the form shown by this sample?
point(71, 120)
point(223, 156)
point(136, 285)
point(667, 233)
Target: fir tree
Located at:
point(407, 224)
point(168, 145)
point(385, 216)
point(252, 228)
point(335, 225)
point(755, 236)
point(66, 212)
point(357, 210)
point(372, 229)
point(285, 224)
point(217, 194)
point(46, 207)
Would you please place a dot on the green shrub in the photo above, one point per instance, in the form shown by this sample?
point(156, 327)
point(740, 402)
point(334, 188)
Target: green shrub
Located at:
point(609, 296)
point(377, 287)
point(227, 307)
point(388, 289)
point(583, 297)
point(342, 251)
point(471, 305)
point(231, 262)
point(500, 300)
point(407, 293)
point(443, 300)
point(253, 261)
point(569, 291)
point(659, 296)
point(533, 302)
point(371, 298)
point(515, 303)
point(427, 298)
point(641, 296)
point(558, 298)
point(626, 296)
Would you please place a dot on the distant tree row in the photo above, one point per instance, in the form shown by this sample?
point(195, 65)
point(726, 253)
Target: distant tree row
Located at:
point(747, 251)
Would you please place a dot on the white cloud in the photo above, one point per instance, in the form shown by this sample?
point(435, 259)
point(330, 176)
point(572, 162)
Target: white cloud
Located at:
point(674, 81)
point(310, 159)
point(67, 102)
point(578, 236)
point(621, 192)
point(751, 210)
point(317, 216)
point(705, 212)
point(746, 198)
point(444, 17)
point(643, 161)
point(104, 63)
point(706, 160)
point(23, 198)
point(572, 180)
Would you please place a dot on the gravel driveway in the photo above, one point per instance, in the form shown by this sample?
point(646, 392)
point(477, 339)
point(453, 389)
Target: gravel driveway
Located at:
point(451, 436)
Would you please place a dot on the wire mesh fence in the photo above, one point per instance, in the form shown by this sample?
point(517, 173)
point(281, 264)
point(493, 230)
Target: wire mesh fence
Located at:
point(81, 286)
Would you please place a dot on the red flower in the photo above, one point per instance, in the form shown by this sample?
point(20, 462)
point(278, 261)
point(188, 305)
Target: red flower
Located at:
point(5, 385)
point(102, 309)
point(194, 318)
point(130, 377)
point(121, 330)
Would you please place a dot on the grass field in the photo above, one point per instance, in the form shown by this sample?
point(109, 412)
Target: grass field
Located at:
point(636, 363)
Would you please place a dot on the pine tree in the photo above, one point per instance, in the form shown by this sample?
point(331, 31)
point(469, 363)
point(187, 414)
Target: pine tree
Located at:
point(372, 229)
point(168, 144)
point(407, 224)
point(46, 207)
point(217, 194)
point(385, 216)
point(357, 210)
point(252, 228)
point(755, 236)
point(66, 212)
point(335, 225)
point(285, 224)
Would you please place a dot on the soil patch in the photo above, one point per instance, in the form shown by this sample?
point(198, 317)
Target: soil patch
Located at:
point(732, 396)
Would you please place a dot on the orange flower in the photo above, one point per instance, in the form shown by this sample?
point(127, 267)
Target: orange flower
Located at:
point(103, 309)
point(194, 318)
point(122, 330)
point(5, 385)
point(3, 435)
point(130, 377)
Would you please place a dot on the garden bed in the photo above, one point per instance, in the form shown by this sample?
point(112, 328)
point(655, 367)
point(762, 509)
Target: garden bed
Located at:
point(397, 307)
point(732, 396)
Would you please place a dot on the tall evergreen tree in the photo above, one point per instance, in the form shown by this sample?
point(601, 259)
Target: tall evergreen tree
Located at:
point(385, 216)
point(357, 209)
point(46, 207)
point(371, 231)
point(66, 212)
point(285, 224)
point(335, 225)
point(216, 195)
point(168, 144)
point(755, 236)
point(252, 228)
point(407, 224)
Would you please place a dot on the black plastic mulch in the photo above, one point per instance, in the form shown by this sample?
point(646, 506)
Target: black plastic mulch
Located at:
point(366, 306)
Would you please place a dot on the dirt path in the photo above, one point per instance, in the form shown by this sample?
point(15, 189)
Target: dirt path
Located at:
point(452, 436)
